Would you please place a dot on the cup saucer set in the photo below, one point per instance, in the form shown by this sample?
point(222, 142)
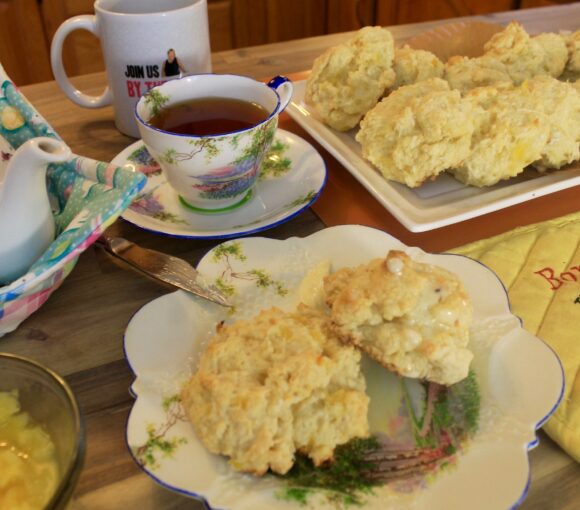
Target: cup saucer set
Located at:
point(223, 185)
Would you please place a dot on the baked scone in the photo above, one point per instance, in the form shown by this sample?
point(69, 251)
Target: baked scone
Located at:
point(412, 66)
point(525, 56)
point(555, 53)
point(463, 73)
point(277, 384)
point(511, 56)
point(559, 103)
point(505, 141)
point(417, 132)
point(572, 70)
point(522, 56)
point(573, 46)
point(347, 80)
point(411, 317)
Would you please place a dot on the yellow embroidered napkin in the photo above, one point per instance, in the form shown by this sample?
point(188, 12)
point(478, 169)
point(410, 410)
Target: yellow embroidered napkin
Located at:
point(540, 267)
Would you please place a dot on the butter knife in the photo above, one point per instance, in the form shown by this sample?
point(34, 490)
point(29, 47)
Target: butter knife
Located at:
point(161, 267)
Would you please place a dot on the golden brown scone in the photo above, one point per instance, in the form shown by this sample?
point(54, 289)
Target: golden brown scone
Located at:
point(525, 57)
point(417, 132)
point(572, 70)
point(412, 66)
point(559, 103)
point(465, 73)
point(555, 53)
point(511, 56)
point(411, 317)
point(273, 385)
point(506, 139)
point(573, 46)
point(347, 81)
point(521, 55)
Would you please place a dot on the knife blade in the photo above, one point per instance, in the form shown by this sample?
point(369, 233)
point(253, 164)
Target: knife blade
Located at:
point(162, 267)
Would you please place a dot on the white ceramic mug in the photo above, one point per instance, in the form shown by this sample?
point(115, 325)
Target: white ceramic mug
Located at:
point(213, 173)
point(145, 43)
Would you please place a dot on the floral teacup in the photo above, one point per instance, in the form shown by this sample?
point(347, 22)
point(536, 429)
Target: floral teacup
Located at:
point(213, 173)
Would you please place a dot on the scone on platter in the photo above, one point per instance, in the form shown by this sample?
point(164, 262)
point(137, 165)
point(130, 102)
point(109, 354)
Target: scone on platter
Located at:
point(411, 317)
point(412, 66)
point(464, 74)
point(347, 80)
point(572, 70)
point(555, 53)
point(559, 103)
point(525, 57)
point(417, 132)
point(274, 385)
point(505, 141)
point(511, 56)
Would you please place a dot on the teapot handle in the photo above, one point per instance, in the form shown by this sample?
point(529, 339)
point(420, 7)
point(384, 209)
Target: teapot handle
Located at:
point(284, 88)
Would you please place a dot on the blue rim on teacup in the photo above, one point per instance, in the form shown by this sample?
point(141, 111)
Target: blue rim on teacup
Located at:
point(212, 173)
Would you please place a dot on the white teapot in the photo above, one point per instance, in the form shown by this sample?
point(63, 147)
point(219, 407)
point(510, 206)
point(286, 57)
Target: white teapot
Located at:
point(26, 221)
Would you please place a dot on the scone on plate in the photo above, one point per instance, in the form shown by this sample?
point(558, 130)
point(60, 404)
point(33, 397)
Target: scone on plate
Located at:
point(274, 385)
point(505, 141)
point(511, 56)
point(412, 66)
point(572, 70)
point(559, 103)
point(555, 53)
point(411, 317)
point(463, 73)
point(523, 56)
point(417, 132)
point(347, 80)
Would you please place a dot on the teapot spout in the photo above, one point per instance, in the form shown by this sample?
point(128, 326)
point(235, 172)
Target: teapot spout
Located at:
point(26, 222)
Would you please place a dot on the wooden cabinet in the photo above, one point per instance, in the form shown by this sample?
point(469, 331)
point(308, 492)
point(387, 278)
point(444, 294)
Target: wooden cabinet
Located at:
point(391, 12)
point(81, 52)
point(27, 26)
point(256, 22)
point(23, 42)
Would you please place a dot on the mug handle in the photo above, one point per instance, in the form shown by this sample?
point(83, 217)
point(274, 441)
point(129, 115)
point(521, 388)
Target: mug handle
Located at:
point(88, 23)
point(284, 88)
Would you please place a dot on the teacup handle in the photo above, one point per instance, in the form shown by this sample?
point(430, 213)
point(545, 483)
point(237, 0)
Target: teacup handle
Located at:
point(283, 86)
point(88, 23)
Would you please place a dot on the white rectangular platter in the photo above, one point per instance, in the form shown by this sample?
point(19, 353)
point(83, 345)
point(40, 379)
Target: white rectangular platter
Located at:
point(436, 203)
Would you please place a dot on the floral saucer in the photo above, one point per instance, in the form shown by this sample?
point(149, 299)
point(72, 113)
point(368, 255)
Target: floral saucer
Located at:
point(292, 177)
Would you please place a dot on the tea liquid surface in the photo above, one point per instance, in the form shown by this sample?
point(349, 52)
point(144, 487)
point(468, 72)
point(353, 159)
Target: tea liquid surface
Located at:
point(209, 116)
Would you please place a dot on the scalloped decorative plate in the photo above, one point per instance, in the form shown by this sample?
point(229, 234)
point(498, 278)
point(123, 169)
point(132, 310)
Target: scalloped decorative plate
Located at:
point(292, 177)
point(165, 338)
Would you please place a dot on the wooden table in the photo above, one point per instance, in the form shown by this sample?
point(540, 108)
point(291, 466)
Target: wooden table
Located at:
point(79, 331)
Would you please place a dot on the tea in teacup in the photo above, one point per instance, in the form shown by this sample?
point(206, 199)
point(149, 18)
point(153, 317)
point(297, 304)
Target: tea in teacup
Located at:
point(209, 116)
point(212, 157)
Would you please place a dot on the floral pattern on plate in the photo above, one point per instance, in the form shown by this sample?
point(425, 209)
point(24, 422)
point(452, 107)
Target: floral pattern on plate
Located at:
point(478, 430)
point(291, 178)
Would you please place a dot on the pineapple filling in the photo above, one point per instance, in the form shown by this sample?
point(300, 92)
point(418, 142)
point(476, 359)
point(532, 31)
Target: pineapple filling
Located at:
point(29, 472)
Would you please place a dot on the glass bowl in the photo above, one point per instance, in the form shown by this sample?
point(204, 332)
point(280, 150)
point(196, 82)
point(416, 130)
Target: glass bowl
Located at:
point(49, 401)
